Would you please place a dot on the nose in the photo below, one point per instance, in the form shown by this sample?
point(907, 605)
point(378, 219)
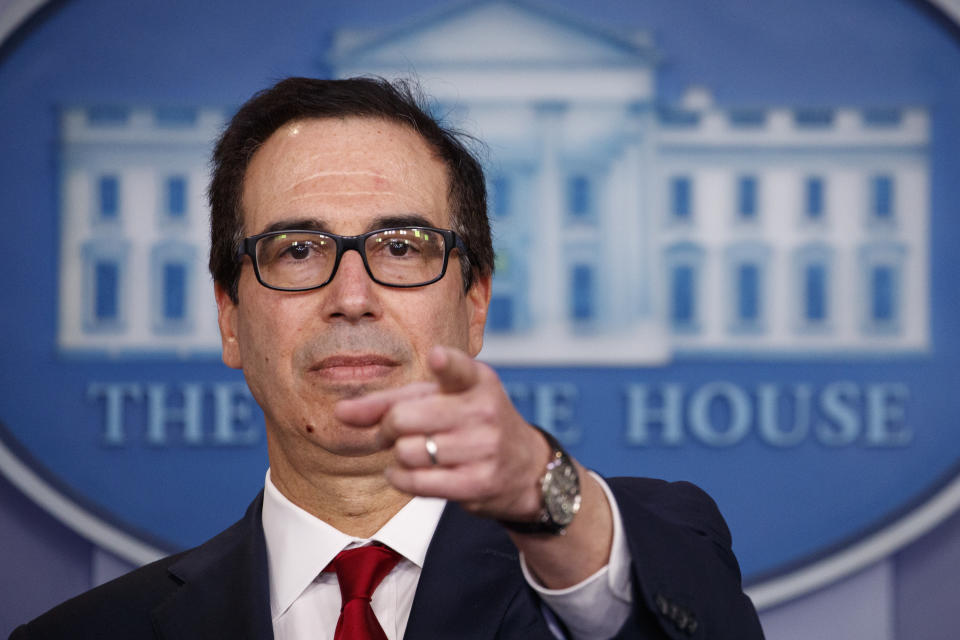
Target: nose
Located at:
point(351, 296)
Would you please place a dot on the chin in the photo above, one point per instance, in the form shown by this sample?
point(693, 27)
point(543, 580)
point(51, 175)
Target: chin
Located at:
point(352, 442)
point(354, 390)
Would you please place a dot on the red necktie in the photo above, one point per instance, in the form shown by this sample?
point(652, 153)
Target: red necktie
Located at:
point(359, 571)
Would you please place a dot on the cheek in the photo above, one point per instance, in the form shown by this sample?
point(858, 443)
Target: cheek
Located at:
point(448, 321)
point(265, 369)
point(255, 349)
point(262, 335)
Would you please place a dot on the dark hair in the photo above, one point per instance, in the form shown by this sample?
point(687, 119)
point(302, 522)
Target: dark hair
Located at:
point(302, 98)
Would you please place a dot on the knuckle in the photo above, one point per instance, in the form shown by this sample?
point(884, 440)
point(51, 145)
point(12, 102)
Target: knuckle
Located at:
point(485, 412)
point(486, 445)
point(404, 452)
point(397, 416)
point(491, 442)
point(404, 417)
point(400, 478)
point(413, 482)
point(487, 481)
point(388, 421)
point(473, 507)
point(485, 371)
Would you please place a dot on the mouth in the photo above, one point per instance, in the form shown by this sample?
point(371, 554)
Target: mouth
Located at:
point(354, 368)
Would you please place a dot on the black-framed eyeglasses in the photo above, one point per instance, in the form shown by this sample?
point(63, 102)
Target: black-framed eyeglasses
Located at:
point(298, 260)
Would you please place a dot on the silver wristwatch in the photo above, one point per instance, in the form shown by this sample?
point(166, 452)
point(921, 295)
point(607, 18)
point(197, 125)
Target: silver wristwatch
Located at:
point(560, 491)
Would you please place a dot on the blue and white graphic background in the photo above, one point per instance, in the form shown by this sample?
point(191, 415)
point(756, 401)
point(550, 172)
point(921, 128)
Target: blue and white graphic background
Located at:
point(94, 418)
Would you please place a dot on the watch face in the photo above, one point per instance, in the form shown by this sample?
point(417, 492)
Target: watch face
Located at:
point(561, 493)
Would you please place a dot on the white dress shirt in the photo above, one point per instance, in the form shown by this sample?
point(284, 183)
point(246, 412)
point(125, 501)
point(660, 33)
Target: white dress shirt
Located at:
point(305, 600)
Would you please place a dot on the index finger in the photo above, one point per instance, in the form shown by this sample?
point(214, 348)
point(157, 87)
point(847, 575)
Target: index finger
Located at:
point(367, 410)
point(455, 370)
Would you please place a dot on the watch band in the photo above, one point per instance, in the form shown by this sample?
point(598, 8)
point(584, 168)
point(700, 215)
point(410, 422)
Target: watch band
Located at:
point(545, 524)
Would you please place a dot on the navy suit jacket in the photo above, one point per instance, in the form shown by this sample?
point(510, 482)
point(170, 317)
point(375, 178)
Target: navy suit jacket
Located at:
point(686, 582)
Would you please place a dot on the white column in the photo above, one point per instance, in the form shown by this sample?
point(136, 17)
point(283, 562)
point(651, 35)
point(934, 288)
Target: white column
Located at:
point(548, 270)
point(649, 274)
point(635, 234)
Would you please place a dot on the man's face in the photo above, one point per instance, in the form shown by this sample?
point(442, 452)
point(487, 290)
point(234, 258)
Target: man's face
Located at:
point(302, 352)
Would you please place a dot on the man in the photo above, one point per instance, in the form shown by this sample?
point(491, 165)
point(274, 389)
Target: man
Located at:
point(351, 256)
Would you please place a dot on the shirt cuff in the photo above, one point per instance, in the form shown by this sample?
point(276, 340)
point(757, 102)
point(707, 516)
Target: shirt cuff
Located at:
point(599, 605)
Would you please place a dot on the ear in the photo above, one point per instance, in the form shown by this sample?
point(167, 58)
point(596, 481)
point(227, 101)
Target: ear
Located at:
point(478, 301)
point(227, 319)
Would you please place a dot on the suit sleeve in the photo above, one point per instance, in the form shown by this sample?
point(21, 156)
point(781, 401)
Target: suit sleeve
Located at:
point(685, 578)
point(598, 606)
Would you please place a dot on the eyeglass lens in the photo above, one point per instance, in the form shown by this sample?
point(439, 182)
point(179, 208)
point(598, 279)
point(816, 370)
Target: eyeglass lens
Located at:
point(300, 260)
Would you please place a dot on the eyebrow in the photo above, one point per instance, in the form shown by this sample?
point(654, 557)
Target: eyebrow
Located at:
point(382, 222)
point(401, 220)
point(291, 224)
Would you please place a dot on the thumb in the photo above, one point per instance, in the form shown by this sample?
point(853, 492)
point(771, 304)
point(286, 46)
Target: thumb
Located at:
point(455, 370)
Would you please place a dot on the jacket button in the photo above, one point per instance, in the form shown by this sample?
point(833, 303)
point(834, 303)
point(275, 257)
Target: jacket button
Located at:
point(662, 605)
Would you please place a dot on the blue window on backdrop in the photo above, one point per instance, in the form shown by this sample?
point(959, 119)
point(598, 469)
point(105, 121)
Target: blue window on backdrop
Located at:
point(108, 197)
point(815, 293)
point(813, 117)
point(748, 293)
point(813, 206)
point(106, 283)
point(747, 118)
point(107, 115)
point(882, 117)
point(681, 205)
point(176, 116)
point(176, 196)
point(882, 197)
point(500, 196)
point(683, 295)
point(882, 294)
point(579, 196)
point(747, 197)
point(680, 118)
point(582, 293)
point(174, 292)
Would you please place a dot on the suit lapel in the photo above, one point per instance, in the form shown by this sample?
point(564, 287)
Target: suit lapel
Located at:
point(471, 586)
point(224, 590)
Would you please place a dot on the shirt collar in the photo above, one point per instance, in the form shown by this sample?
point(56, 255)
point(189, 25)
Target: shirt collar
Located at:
point(300, 546)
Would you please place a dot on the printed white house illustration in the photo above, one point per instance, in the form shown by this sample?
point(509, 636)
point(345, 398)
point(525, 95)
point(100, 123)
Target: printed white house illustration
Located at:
point(134, 234)
point(627, 230)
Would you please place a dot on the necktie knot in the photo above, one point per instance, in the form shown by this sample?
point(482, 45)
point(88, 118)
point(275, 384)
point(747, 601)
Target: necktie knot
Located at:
point(359, 571)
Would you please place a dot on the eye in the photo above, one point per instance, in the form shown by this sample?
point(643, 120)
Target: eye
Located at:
point(398, 248)
point(299, 250)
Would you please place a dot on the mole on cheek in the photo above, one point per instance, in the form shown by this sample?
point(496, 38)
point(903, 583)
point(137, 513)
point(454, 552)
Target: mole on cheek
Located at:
point(309, 428)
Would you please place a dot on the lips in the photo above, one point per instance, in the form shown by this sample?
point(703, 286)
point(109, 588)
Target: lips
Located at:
point(354, 368)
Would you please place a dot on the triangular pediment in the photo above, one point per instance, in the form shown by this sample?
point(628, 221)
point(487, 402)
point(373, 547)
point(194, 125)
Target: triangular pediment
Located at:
point(490, 33)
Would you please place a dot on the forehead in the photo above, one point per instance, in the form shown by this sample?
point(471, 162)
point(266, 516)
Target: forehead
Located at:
point(344, 172)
